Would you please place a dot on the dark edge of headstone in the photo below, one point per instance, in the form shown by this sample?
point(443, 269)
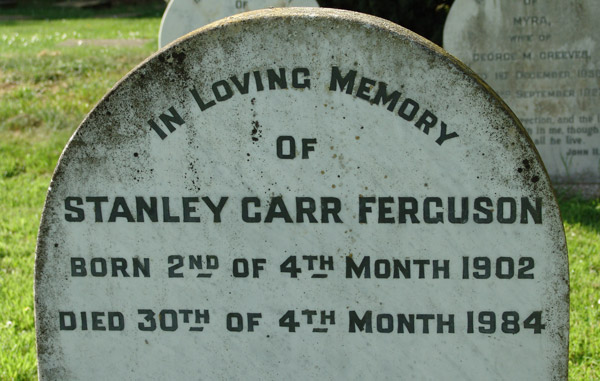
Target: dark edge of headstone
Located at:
point(561, 369)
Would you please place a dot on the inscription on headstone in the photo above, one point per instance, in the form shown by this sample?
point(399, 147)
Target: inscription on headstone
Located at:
point(541, 57)
point(184, 16)
point(301, 194)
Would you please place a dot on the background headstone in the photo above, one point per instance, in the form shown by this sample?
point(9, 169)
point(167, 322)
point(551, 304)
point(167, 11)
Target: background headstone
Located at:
point(541, 57)
point(184, 16)
point(301, 194)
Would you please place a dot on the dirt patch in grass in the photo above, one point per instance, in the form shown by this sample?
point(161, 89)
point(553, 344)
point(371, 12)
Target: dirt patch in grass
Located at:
point(106, 42)
point(6, 87)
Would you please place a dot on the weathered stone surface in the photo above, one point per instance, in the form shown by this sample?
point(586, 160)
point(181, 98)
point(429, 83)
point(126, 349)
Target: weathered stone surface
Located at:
point(541, 57)
point(411, 194)
point(184, 16)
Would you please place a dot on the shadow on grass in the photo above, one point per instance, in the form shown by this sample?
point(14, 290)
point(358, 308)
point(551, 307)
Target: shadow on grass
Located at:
point(48, 10)
point(425, 17)
point(576, 210)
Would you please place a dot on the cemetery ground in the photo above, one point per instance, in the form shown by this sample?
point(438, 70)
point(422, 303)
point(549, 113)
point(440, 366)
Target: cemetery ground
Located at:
point(53, 70)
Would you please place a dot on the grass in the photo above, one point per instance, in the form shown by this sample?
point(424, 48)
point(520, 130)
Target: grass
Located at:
point(46, 89)
point(582, 228)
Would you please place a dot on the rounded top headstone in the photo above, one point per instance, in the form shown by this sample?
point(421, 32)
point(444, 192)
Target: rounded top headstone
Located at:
point(541, 57)
point(184, 16)
point(301, 194)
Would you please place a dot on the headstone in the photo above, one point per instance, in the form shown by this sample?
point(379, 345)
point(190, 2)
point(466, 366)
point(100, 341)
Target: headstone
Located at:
point(301, 194)
point(541, 57)
point(184, 16)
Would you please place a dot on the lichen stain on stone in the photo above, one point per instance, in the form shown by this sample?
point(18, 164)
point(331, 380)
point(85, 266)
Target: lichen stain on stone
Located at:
point(256, 132)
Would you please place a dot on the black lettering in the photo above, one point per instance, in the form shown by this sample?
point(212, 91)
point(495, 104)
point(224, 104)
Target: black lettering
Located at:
point(448, 323)
point(382, 268)
point(168, 121)
point(116, 321)
point(79, 214)
point(97, 206)
point(464, 214)
point(203, 106)
point(308, 146)
point(384, 210)
point(487, 212)
point(67, 320)
point(408, 206)
point(444, 136)
point(149, 317)
point(528, 264)
point(443, 268)
point(363, 325)
point(276, 79)
point(215, 209)
point(336, 79)
point(242, 272)
point(177, 262)
point(364, 87)
point(235, 322)
point(173, 324)
point(512, 210)
point(365, 266)
point(97, 322)
point(363, 209)
point(404, 323)
point(245, 216)
point(414, 108)
point(295, 78)
point(439, 216)
point(528, 209)
point(84, 324)
point(385, 323)
point(277, 209)
point(243, 89)
point(505, 268)
point(292, 149)
point(382, 97)
point(188, 209)
point(258, 80)
point(138, 267)
point(167, 217)
point(421, 263)
point(120, 209)
point(78, 267)
point(142, 207)
point(425, 319)
point(402, 268)
point(427, 121)
point(330, 206)
point(119, 265)
point(302, 210)
point(94, 267)
point(228, 93)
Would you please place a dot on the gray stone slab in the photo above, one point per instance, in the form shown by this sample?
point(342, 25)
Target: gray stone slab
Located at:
point(184, 16)
point(301, 194)
point(541, 57)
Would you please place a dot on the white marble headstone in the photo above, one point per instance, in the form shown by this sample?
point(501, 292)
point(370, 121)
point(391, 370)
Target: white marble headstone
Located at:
point(542, 58)
point(184, 16)
point(301, 194)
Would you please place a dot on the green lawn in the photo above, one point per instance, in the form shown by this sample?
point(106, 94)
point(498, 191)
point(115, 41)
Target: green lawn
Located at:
point(46, 88)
